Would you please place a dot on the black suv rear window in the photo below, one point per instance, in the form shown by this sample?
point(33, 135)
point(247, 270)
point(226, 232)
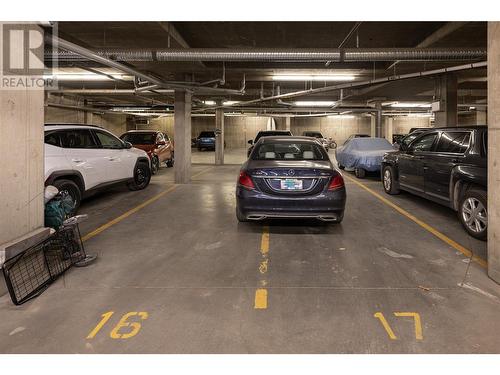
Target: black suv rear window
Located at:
point(207, 135)
point(453, 142)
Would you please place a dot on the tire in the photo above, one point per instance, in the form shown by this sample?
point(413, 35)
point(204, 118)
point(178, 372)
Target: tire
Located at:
point(241, 218)
point(360, 173)
point(142, 176)
point(170, 162)
point(155, 165)
point(72, 189)
point(389, 181)
point(473, 214)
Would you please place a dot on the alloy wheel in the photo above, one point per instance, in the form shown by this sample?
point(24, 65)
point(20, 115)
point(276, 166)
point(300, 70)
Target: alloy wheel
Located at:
point(475, 215)
point(387, 180)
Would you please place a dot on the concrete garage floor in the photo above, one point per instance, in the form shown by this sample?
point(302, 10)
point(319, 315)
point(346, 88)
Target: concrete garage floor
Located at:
point(187, 274)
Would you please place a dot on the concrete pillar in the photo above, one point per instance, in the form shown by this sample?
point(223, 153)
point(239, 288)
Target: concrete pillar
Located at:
point(288, 121)
point(21, 145)
point(448, 109)
point(388, 128)
point(378, 121)
point(219, 136)
point(182, 141)
point(373, 120)
point(494, 150)
point(481, 118)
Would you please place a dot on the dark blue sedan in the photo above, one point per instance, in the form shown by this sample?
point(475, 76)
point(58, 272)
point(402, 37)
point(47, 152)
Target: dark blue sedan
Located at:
point(206, 140)
point(290, 177)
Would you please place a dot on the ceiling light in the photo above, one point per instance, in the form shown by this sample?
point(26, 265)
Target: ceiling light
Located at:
point(209, 102)
point(85, 77)
point(324, 103)
point(230, 102)
point(410, 105)
point(340, 116)
point(313, 77)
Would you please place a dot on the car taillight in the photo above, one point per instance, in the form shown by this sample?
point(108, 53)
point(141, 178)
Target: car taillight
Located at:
point(336, 182)
point(245, 180)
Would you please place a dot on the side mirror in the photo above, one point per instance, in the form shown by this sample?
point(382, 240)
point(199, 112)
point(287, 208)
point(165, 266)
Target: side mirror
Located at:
point(127, 145)
point(250, 142)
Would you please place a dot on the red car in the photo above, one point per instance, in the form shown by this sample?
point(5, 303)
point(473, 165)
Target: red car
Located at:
point(158, 146)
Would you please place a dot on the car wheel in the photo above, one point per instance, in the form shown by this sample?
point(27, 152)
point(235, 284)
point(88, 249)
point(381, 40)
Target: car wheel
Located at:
point(73, 191)
point(155, 165)
point(360, 173)
point(389, 181)
point(241, 218)
point(473, 214)
point(170, 162)
point(142, 176)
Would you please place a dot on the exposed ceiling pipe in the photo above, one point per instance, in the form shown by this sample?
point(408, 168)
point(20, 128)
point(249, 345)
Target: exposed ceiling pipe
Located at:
point(270, 54)
point(346, 39)
point(87, 54)
point(426, 73)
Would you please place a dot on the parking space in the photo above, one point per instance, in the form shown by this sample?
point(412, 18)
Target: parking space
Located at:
point(181, 275)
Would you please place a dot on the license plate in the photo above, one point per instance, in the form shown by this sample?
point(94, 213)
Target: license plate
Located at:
point(291, 184)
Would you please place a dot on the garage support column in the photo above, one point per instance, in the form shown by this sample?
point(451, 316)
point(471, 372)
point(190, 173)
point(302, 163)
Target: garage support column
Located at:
point(494, 150)
point(288, 121)
point(388, 128)
point(21, 137)
point(378, 121)
point(373, 120)
point(182, 133)
point(219, 136)
point(448, 105)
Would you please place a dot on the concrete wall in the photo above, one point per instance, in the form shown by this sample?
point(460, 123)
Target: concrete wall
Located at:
point(402, 125)
point(337, 128)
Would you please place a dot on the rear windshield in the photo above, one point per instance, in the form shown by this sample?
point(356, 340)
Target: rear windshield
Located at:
point(313, 134)
point(271, 134)
point(289, 151)
point(207, 135)
point(140, 138)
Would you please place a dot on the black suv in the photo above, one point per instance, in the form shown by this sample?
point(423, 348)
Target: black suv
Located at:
point(447, 166)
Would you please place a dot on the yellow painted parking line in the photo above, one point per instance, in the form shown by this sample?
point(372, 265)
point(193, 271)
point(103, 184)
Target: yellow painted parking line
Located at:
point(427, 227)
point(200, 173)
point(264, 243)
point(127, 214)
point(261, 299)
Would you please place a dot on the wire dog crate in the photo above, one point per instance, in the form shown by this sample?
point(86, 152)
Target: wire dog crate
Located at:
point(29, 273)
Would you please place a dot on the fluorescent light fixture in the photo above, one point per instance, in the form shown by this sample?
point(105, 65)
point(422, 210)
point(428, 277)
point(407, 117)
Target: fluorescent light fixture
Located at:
point(341, 116)
point(209, 102)
point(313, 77)
point(230, 102)
point(85, 77)
point(324, 103)
point(410, 105)
point(472, 108)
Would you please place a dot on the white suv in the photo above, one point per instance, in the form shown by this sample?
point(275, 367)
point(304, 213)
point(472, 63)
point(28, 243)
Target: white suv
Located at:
point(82, 159)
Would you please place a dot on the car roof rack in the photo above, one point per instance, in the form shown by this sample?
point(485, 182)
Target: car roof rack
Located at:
point(71, 124)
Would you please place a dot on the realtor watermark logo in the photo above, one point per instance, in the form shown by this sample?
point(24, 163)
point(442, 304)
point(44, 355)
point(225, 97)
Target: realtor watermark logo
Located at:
point(22, 58)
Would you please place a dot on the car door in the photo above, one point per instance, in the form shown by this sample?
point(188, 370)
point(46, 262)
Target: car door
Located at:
point(411, 162)
point(169, 146)
point(82, 152)
point(449, 152)
point(161, 147)
point(119, 162)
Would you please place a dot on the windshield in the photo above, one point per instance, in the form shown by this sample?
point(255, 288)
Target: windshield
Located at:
point(409, 138)
point(314, 135)
point(289, 151)
point(207, 135)
point(270, 134)
point(140, 138)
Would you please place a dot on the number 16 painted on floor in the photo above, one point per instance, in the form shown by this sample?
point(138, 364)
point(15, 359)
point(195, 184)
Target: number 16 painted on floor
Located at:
point(115, 332)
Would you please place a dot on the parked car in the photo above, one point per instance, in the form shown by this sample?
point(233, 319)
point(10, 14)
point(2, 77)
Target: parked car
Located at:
point(83, 159)
point(406, 140)
point(362, 154)
point(206, 140)
point(157, 145)
point(319, 137)
point(447, 166)
point(289, 177)
point(266, 133)
point(352, 136)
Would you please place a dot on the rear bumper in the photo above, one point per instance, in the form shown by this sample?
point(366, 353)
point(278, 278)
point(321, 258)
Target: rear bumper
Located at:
point(326, 206)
